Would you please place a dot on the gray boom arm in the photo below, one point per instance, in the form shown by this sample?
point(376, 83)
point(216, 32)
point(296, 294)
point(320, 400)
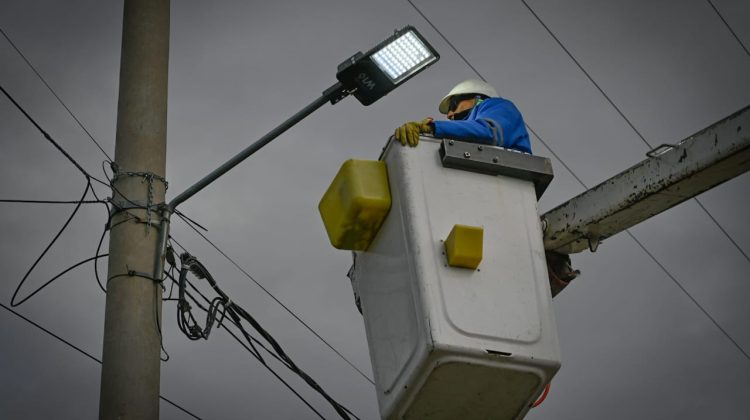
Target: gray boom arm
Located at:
point(671, 175)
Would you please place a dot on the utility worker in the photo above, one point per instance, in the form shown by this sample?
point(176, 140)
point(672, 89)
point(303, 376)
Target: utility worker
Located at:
point(477, 114)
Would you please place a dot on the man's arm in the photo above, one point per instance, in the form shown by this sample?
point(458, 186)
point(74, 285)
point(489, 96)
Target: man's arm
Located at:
point(495, 121)
point(476, 130)
point(484, 125)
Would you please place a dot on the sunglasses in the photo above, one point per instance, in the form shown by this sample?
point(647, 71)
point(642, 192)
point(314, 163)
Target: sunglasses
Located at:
point(453, 104)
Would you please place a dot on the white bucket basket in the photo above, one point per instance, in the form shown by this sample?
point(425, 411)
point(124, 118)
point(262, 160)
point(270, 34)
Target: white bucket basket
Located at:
point(448, 342)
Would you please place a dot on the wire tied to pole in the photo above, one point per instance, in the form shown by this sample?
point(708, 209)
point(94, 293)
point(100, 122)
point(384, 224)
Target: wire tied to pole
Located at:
point(149, 178)
point(221, 303)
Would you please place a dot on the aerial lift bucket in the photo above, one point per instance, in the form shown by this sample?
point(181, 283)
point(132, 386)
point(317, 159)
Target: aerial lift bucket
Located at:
point(452, 277)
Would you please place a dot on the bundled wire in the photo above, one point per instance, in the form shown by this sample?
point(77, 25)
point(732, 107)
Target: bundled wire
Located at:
point(185, 319)
point(78, 204)
point(221, 308)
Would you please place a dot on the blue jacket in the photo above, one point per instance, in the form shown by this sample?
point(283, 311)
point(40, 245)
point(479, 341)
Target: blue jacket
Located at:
point(495, 121)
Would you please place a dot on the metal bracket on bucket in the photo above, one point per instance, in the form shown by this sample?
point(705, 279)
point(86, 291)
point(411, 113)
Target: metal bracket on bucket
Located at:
point(495, 160)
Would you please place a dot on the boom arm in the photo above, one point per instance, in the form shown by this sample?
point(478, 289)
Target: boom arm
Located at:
point(670, 175)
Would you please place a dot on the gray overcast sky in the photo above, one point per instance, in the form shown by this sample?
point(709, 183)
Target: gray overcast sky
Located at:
point(633, 344)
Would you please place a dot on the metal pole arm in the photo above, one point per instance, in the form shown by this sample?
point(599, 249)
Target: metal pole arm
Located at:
point(671, 175)
point(333, 94)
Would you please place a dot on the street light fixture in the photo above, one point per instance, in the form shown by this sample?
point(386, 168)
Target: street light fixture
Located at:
point(371, 76)
point(368, 77)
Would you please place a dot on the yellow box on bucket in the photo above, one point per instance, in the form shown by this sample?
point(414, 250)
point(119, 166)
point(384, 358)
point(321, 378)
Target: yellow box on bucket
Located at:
point(464, 246)
point(356, 204)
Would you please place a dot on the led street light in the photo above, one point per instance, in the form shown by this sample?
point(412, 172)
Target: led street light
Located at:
point(371, 76)
point(368, 77)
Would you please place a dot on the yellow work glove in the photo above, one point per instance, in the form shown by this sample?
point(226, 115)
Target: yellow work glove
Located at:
point(409, 132)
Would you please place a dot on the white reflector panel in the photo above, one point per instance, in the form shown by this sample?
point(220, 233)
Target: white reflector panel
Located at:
point(403, 57)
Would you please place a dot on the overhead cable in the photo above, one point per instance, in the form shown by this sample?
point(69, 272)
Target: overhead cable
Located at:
point(267, 292)
point(238, 340)
point(80, 124)
point(2, 200)
point(48, 137)
point(87, 354)
point(228, 308)
point(737, 38)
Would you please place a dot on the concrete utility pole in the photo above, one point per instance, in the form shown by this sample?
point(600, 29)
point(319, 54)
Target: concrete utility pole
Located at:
point(130, 368)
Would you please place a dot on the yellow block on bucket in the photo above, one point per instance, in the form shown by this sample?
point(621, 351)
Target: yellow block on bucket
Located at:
point(356, 204)
point(464, 246)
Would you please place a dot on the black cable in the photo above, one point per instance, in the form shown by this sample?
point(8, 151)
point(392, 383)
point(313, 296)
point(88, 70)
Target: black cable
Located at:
point(591, 79)
point(273, 372)
point(723, 230)
point(249, 350)
point(249, 338)
point(158, 327)
point(280, 355)
point(85, 353)
point(453, 47)
point(54, 201)
point(26, 276)
point(681, 287)
point(39, 289)
point(79, 203)
point(96, 262)
point(49, 138)
point(53, 92)
point(189, 220)
point(729, 27)
point(171, 286)
point(204, 309)
point(237, 313)
point(292, 313)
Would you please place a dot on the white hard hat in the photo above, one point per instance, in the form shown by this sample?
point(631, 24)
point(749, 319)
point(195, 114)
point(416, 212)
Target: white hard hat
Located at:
point(471, 86)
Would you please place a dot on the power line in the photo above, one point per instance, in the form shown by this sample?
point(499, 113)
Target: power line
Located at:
point(274, 373)
point(46, 249)
point(292, 313)
point(234, 311)
point(677, 283)
point(87, 354)
point(453, 47)
point(630, 124)
point(49, 138)
point(278, 354)
point(252, 352)
point(53, 201)
point(729, 27)
point(591, 79)
point(80, 124)
point(643, 247)
point(78, 203)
